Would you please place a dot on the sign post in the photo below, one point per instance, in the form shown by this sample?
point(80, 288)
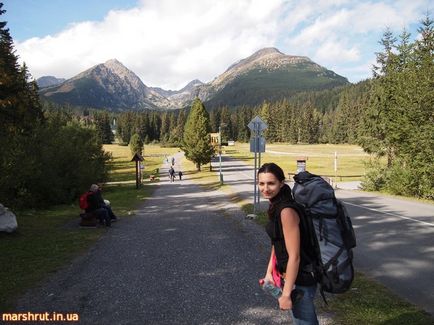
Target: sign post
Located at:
point(138, 159)
point(257, 145)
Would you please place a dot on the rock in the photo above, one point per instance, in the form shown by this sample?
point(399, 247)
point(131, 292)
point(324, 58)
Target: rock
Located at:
point(8, 220)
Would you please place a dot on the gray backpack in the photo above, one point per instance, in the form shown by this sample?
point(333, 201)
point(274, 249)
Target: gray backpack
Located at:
point(331, 232)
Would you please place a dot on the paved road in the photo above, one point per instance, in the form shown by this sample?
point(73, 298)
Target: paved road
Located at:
point(185, 258)
point(395, 244)
point(395, 237)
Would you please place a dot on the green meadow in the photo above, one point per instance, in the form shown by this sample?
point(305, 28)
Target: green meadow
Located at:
point(320, 158)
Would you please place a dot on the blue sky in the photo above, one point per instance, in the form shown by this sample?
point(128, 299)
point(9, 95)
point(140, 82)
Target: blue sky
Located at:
point(168, 43)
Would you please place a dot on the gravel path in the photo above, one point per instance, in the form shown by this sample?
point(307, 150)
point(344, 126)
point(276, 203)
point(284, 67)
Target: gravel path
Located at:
point(186, 257)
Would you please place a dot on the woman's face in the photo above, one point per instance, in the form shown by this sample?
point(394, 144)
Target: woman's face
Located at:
point(269, 185)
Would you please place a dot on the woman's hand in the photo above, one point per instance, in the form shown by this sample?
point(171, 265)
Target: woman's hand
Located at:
point(269, 279)
point(285, 302)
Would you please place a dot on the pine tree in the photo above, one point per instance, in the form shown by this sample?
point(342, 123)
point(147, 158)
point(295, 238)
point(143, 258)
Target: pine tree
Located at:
point(103, 127)
point(142, 126)
point(375, 136)
point(196, 140)
point(136, 144)
point(165, 127)
point(20, 109)
point(225, 125)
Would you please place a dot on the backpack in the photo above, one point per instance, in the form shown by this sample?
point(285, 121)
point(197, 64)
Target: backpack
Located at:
point(83, 200)
point(331, 233)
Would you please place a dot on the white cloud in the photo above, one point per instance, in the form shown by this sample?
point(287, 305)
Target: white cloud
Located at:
point(166, 43)
point(331, 52)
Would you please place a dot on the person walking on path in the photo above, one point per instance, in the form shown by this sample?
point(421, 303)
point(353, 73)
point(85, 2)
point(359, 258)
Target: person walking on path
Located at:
point(289, 246)
point(172, 174)
point(180, 175)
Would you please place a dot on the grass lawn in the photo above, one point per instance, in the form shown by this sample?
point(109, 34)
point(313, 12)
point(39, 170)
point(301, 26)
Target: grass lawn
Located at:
point(48, 239)
point(320, 158)
point(370, 303)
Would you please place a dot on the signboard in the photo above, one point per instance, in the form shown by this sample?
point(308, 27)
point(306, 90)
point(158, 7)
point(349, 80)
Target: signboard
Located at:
point(257, 145)
point(260, 144)
point(257, 124)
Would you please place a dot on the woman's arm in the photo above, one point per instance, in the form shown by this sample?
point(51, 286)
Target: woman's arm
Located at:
point(291, 232)
point(269, 274)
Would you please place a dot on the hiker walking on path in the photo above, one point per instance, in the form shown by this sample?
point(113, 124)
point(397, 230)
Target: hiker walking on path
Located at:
point(289, 246)
point(172, 174)
point(180, 175)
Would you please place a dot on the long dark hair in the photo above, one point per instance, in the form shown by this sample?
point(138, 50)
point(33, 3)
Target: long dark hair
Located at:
point(273, 169)
point(284, 194)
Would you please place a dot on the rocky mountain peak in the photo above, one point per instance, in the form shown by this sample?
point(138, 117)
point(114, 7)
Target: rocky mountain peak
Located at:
point(267, 51)
point(269, 58)
point(124, 73)
point(191, 85)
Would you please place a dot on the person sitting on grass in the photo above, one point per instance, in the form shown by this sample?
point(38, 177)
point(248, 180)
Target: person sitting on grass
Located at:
point(104, 203)
point(95, 206)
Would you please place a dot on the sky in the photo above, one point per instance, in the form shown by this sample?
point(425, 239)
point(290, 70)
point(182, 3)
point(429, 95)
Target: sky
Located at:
point(169, 43)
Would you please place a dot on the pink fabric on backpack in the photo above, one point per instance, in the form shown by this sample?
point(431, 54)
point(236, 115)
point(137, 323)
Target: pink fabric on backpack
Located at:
point(276, 275)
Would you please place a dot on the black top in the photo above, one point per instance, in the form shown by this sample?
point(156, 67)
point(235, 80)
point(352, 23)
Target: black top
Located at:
point(94, 201)
point(274, 230)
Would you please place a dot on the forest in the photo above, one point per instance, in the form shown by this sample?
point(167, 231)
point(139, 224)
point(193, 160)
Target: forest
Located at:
point(51, 153)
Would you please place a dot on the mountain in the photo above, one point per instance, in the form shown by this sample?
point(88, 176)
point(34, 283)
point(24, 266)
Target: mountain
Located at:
point(109, 85)
point(182, 97)
point(48, 81)
point(267, 74)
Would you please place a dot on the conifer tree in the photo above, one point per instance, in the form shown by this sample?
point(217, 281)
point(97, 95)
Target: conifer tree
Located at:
point(374, 134)
point(165, 127)
point(142, 125)
point(178, 130)
point(20, 110)
point(136, 144)
point(103, 127)
point(196, 140)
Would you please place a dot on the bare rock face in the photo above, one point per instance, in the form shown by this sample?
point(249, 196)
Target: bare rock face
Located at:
point(49, 81)
point(8, 220)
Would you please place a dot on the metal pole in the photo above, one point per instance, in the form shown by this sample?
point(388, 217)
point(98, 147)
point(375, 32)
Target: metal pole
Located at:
point(137, 174)
point(259, 194)
point(220, 155)
point(336, 168)
point(255, 131)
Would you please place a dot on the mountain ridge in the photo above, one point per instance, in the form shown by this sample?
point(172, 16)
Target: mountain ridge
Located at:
point(267, 73)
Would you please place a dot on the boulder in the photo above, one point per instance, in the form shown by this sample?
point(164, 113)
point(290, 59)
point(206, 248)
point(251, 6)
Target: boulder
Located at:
point(8, 220)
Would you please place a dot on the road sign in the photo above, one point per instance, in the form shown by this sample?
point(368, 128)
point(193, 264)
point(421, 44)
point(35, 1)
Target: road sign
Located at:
point(257, 145)
point(257, 124)
point(259, 142)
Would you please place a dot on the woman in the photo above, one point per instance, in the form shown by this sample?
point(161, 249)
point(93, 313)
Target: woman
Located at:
point(290, 249)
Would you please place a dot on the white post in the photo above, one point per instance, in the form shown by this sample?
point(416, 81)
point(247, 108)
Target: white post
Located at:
point(336, 168)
